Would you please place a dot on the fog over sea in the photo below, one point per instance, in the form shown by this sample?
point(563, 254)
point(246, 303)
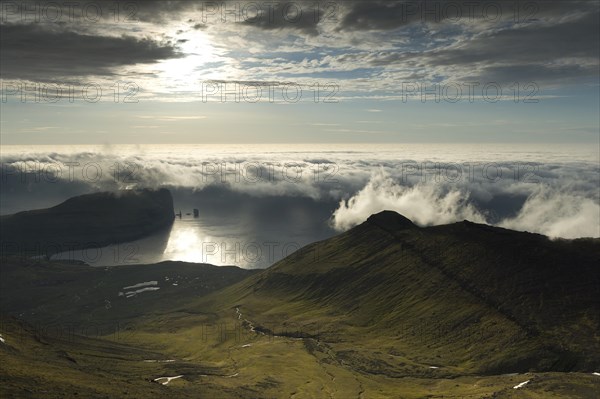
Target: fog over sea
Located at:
point(258, 203)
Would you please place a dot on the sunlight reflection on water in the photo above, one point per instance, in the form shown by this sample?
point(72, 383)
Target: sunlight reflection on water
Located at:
point(188, 240)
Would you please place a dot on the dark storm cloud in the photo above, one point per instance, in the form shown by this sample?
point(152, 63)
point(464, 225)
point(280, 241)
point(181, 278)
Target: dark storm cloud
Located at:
point(34, 52)
point(301, 16)
point(378, 16)
point(577, 38)
point(390, 15)
point(298, 16)
point(93, 11)
point(160, 11)
point(530, 52)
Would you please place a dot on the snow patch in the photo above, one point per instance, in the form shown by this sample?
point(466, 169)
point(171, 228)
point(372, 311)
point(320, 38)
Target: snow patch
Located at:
point(598, 374)
point(521, 385)
point(139, 285)
point(134, 293)
point(167, 379)
point(2, 339)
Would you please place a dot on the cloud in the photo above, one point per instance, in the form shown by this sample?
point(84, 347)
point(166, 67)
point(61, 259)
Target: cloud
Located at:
point(561, 48)
point(368, 48)
point(294, 16)
point(424, 204)
point(172, 118)
point(553, 203)
point(548, 194)
point(384, 15)
point(534, 52)
point(556, 213)
point(379, 15)
point(33, 52)
point(547, 211)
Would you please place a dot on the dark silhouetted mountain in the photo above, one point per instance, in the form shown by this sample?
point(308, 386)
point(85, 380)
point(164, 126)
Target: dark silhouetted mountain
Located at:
point(86, 221)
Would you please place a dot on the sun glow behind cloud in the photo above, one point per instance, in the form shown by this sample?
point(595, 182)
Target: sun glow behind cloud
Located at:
point(185, 74)
point(169, 50)
point(199, 52)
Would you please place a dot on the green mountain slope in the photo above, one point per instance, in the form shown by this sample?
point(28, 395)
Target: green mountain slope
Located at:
point(62, 295)
point(394, 299)
point(70, 330)
point(385, 310)
point(36, 365)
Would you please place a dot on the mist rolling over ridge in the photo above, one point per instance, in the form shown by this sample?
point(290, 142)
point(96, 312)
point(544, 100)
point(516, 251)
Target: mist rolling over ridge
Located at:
point(537, 189)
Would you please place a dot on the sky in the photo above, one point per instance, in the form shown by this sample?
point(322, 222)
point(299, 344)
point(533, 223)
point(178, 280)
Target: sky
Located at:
point(160, 72)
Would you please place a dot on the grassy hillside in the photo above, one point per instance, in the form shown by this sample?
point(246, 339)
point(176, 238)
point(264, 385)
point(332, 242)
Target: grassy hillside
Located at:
point(73, 294)
point(87, 221)
point(385, 310)
point(67, 331)
point(48, 366)
point(387, 301)
point(468, 297)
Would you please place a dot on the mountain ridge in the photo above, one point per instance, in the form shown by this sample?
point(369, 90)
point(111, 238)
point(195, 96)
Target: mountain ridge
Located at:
point(376, 274)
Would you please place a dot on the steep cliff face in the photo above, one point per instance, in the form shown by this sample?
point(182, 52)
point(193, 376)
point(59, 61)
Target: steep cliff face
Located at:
point(87, 221)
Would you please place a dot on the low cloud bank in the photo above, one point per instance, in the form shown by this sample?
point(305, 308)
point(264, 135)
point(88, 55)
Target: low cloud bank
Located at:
point(554, 193)
point(557, 214)
point(424, 204)
point(552, 211)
